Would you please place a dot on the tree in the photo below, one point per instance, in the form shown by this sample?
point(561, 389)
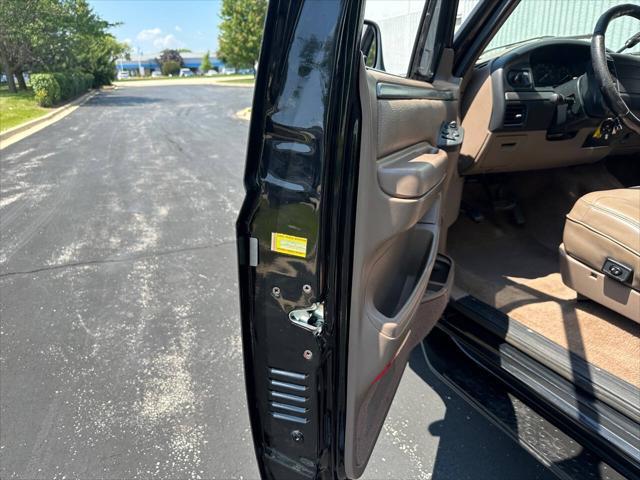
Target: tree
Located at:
point(205, 66)
point(25, 25)
point(99, 58)
point(170, 56)
point(241, 31)
point(170, 67)
point(92, 48)
point(55, 35)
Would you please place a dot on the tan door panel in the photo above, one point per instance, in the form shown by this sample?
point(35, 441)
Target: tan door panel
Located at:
point(401, 183)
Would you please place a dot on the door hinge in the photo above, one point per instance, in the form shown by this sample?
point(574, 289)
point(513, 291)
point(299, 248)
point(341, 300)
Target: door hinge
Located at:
point(310, 318)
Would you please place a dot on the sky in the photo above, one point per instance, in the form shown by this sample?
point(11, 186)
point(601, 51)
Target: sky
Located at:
point(153, 25)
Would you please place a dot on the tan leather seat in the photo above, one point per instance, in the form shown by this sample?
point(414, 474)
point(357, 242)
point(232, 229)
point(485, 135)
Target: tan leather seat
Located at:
point(600, 256)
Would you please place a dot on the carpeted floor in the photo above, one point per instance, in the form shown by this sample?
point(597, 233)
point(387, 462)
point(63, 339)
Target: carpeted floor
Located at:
point(516, 270)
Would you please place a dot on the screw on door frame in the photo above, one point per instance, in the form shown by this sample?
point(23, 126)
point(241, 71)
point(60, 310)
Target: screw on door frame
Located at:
point(276, 292)
point(297, 436)
point(308, 355)
point(306, 288)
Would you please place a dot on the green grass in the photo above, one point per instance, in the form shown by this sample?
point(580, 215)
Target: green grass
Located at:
point(17, 108)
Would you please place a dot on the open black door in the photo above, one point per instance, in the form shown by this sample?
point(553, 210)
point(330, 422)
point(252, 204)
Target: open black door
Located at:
point(339, 274)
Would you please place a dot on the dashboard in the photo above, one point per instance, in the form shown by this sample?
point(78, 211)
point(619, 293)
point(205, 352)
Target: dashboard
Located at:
point(537, 106)
point(543, 70)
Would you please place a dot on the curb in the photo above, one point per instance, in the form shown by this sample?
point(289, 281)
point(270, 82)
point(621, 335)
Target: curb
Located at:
point(8, 137)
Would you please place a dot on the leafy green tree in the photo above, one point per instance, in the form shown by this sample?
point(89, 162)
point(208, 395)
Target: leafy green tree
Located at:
point(205, 66)
point(170, 67)
point(170, 56)
point(25, 26)
point(241, 31)
point(92, 48)
point(99, 58)
point(55, 35)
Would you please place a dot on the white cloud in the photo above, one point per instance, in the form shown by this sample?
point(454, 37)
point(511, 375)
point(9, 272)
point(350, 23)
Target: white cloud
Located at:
point(149, 34)
point(128, 41)
point(156, 38)
point(168, 41)
point(178, 28)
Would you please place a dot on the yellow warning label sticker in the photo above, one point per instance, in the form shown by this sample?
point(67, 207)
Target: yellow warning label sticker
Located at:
point(296, 246)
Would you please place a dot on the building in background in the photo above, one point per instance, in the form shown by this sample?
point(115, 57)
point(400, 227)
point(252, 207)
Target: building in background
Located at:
point(148, 63)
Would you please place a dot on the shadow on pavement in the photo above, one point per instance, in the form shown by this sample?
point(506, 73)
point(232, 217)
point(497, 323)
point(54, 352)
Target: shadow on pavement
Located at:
point(110, 100)
point(470, 447)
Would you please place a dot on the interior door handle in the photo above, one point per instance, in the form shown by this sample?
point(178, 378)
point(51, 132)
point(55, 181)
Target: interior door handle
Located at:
point(412, 172)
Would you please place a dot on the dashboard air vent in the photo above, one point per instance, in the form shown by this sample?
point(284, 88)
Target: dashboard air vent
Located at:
point(515, 115)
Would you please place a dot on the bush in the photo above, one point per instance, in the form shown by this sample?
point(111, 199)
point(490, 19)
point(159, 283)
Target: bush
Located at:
point(65, 83)
point(170, 68)
point(89, 80)
point(50, 88)
point(46, 89)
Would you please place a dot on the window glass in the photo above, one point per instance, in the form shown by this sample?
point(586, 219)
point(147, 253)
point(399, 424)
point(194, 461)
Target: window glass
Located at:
point(536, 19)
point(399, 21)
point(465, 7)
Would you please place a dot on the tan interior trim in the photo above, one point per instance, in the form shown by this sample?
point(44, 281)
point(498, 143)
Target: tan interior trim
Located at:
point(412, 172)
point(484, 151)
point(605, 224)
point(476, 109)
point(400, 196)
point(598, 287)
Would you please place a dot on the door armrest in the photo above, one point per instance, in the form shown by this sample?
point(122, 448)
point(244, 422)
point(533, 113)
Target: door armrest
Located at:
point(412, 172)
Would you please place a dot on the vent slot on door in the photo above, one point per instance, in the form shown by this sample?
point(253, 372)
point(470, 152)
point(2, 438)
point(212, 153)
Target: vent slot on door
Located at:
point(515, 115)
point(288, 396)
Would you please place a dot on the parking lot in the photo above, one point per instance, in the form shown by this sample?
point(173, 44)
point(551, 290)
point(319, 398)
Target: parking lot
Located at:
point(120, 338)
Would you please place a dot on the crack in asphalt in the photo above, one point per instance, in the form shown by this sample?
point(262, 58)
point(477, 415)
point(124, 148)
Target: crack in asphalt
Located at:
point(126, 258)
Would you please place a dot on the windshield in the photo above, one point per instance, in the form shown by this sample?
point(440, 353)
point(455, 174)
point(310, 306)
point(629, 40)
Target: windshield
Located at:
point(533, 20)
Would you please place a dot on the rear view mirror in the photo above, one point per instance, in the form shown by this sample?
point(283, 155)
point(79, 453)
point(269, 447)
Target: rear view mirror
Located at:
point(371, 45)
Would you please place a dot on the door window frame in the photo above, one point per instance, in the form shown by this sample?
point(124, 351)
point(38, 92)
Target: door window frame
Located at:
point(443, 38)
point(446, 25)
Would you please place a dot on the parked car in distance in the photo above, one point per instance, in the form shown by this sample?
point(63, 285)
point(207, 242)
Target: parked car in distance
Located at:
point(156, 74)
point(211, 73)
point(228, 71)
point(185, 72)
point(122, 75)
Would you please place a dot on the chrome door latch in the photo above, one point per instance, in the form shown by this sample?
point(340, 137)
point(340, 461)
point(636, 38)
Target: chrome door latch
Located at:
point(310, 318)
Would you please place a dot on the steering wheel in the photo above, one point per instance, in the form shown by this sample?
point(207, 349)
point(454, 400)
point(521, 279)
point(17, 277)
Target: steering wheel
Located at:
point(609, 85)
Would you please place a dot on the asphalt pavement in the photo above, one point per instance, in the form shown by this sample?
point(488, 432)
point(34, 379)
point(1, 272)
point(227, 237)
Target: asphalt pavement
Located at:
point(119, 331)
